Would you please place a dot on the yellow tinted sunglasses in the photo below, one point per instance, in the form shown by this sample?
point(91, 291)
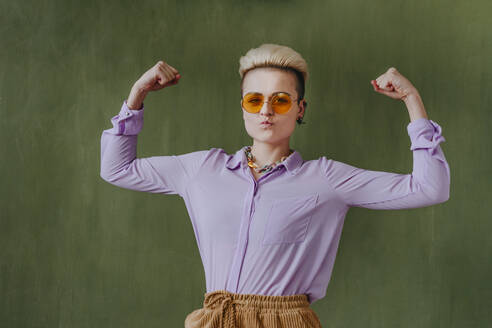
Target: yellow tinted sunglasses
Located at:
point(281, 102)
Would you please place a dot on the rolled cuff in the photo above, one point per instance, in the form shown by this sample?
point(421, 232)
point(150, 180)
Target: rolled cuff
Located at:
point(425, 134)
point(128, 121)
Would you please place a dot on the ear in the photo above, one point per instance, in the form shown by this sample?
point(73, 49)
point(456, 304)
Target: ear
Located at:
point(302, 107)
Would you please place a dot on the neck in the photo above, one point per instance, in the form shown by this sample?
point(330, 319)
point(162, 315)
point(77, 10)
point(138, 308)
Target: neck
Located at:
point(266, 153)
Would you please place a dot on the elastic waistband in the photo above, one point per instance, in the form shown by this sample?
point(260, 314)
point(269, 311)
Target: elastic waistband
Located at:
point(221, 297)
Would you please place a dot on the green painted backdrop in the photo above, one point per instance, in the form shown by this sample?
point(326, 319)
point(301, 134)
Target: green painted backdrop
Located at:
point(76, 251)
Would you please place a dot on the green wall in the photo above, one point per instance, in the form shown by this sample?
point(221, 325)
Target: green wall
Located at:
point(76, 251)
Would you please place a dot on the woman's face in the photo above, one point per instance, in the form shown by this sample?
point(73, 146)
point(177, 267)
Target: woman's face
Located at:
point(268, 80)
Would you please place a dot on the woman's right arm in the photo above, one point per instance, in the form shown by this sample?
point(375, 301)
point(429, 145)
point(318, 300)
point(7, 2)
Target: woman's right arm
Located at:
point(119, 163)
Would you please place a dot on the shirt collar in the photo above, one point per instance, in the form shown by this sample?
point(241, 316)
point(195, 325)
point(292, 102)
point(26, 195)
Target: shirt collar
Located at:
point(292, 163)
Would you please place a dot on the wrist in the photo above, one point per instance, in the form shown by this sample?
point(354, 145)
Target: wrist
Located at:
point(136, 98)
point(415, 106)
point(413, 96)
point(138, 90)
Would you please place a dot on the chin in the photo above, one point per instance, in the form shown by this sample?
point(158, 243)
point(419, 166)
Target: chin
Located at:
point(265, 136)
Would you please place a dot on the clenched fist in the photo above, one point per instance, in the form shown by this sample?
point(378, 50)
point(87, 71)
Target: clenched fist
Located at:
point(394, 85)
point(159, 76)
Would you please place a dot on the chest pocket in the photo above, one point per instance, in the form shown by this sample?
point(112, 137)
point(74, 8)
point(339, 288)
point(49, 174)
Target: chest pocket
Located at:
point(288, 219)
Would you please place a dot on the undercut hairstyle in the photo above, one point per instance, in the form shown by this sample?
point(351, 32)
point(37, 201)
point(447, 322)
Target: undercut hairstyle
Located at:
point(276, 56)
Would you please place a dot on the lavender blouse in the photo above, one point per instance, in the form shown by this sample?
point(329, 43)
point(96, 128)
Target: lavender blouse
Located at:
point(278, 235)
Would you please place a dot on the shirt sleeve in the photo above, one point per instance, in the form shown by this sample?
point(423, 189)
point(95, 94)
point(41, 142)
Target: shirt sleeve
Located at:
point(428, 184)
point(157, 174)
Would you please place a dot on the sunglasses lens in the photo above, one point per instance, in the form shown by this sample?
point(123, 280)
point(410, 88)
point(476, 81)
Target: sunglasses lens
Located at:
point(252, 102)
point(281, 103)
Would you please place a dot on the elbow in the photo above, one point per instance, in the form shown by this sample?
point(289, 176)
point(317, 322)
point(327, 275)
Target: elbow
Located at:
point(441, 195)
point(444, 191)
point(437, 190)
point(103, 176)
point(111, 174)
point(107, 177)
point(108, 173)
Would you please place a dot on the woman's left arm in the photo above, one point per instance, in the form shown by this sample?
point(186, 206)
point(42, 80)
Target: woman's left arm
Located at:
point(428, 184)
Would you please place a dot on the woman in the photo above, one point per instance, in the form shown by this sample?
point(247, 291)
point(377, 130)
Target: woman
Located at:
point(267, 222)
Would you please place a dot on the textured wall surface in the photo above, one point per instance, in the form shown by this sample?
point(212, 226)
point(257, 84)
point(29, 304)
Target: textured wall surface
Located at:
point(76, 251)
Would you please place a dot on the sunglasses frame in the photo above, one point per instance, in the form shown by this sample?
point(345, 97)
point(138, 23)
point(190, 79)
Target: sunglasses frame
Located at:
point(268, 101)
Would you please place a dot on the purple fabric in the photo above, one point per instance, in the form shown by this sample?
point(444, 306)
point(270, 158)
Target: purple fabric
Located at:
point(278, 235)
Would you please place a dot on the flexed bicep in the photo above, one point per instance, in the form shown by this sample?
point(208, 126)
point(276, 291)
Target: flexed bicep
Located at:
point(378, 189)
point(428, 184)
point(157, 174)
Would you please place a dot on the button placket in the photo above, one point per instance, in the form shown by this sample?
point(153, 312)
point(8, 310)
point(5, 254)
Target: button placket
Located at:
point(248, 210)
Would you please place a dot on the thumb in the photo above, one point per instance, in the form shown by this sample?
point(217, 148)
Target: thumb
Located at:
point(161, 78)
point(392, 94)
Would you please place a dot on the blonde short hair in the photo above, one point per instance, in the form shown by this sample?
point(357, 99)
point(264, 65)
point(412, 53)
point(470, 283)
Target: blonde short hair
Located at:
point(277, 56)
point(273, 55)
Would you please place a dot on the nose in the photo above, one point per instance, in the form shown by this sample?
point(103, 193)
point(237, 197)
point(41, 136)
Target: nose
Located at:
point(266, 109)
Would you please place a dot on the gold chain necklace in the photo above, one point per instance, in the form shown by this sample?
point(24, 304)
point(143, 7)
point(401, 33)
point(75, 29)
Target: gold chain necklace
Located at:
point(265, 168)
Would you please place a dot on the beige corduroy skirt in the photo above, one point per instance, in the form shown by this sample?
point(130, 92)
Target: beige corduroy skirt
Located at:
point(223, 309)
